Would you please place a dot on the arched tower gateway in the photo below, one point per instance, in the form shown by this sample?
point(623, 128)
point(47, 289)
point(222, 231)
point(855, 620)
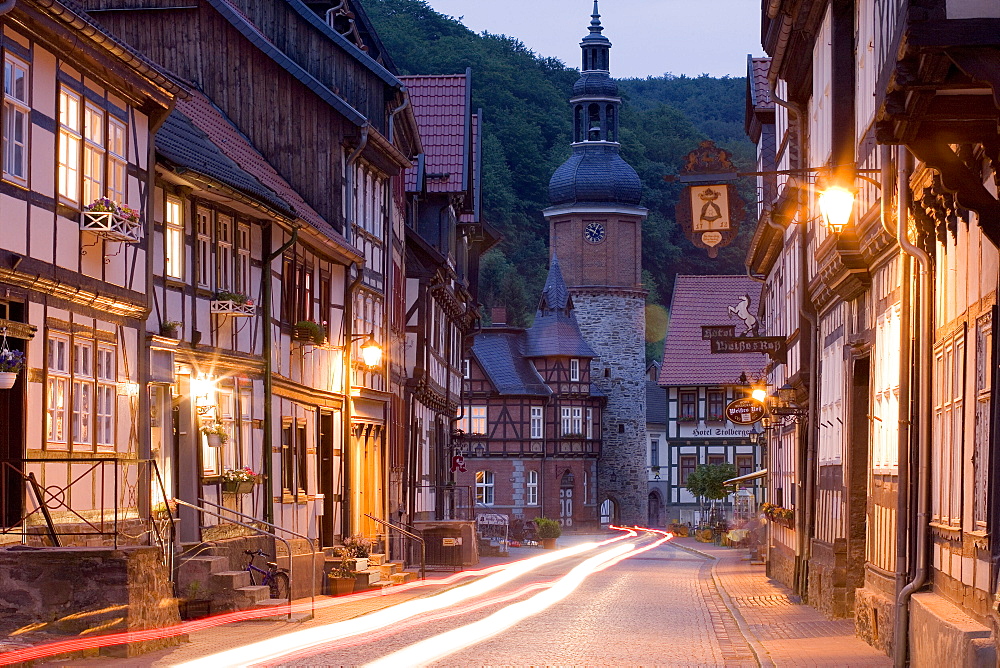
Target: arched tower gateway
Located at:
point(595, 228)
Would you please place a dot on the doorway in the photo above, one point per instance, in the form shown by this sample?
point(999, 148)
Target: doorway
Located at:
point(655, 509)
point(327, 481)
point(12, 445)
point(566, 499)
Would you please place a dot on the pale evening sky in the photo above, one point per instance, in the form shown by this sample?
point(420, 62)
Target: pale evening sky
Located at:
point(649, 37)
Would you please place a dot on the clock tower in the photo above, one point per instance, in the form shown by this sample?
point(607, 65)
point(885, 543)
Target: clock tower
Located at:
point(595, 229)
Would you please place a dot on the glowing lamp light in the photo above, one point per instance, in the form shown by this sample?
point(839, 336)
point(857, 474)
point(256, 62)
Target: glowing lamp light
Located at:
point(371, 352)
point(836, 203)
point(759, 394)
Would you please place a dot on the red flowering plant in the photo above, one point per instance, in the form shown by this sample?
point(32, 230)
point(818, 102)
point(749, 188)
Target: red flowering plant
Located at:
point(244, 474)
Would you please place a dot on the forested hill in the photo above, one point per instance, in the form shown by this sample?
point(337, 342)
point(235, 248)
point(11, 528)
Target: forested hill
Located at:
point(527, 126)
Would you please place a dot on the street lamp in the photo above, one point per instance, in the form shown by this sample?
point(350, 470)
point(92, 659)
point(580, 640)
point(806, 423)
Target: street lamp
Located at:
point(836, 203)
point(759, 393)
point(371, 351)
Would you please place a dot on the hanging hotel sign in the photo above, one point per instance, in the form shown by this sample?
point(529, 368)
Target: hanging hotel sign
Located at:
point(774, 347)
point(744, 411)
point(709, 332)
point(710, 210)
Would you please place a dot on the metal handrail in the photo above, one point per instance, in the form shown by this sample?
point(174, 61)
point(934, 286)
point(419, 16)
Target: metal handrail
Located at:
point(423, 544)
point(252, 528)
point(280, 528)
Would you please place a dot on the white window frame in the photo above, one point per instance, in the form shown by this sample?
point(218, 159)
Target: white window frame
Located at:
point(574, 370)
point(566, 421)
point(478, 423)
point(70, 145)
point(93, 153)
point(485, 488)
point(577, 420)
point(466, 369)
point(117, 146)
point(224, 260)
point(82, 393)
point(537, 423)
point(203, 247)
point(531, 489)
point(57, 388)
point(243, 258)
point(107, 395)
point(17, 119)
point(174, 239)
point(590, 423)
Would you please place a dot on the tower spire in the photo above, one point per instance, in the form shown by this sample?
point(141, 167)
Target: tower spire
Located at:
point(595, 20)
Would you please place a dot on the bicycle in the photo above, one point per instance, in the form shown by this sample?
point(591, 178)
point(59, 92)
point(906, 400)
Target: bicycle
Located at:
point(276, 579)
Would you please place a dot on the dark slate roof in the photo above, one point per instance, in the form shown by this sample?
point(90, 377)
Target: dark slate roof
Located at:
point(500, 354)
point(656, 403)
point(181, 142)
point(597, 84)
point(557, 334)
point(760, 90)
point(595, 174)
point(705, 300)
point(441, 107)
point(555, 294)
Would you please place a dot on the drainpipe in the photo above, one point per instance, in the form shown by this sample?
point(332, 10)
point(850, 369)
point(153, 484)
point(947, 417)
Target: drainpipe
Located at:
point(392, 114)
point(921, 411)
point(347, 444)
point(349, 179)
point(267, 345)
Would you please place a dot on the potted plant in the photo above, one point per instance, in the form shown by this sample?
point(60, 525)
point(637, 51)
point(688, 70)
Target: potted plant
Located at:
point(547, 530)
point(11, 361)
point(656, 472)
point(216, 434)
point(227, 302)
point(687, 418)
point(357, 548)
point(309, 331)
point(111, 220)
point(170, 329)
point(341, 577)
point(238, 481)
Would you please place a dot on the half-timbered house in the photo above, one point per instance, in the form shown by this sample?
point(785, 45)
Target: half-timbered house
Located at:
point(75, 204)
point(700, 385)
point(329, 119)
point(530, 427)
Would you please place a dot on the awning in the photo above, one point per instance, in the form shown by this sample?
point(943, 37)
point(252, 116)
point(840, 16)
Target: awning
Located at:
point(744, 478)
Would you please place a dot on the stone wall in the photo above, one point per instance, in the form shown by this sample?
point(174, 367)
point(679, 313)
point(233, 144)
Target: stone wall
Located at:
point(875, 618)
point(86, 590)
point(827, 589)
point(781, 565)
point(613, 323)
point(941, 634)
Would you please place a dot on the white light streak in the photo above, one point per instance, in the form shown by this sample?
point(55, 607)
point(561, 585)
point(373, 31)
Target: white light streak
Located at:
point(450, 642)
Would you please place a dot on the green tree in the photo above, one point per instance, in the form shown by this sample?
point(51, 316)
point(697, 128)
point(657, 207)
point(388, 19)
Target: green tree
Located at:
point(707, 481)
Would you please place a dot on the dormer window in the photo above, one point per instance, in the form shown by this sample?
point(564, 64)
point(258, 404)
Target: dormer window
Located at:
point(574, 370)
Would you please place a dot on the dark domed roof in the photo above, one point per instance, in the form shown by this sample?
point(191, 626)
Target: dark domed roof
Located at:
point(595, 83)
point(595, 174)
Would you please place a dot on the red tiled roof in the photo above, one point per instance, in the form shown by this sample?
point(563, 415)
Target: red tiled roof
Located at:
point(237, 146)
point(705, 300)
point(440, 106)
point(761, 90)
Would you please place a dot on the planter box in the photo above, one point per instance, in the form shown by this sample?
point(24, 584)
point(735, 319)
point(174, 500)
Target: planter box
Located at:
point(227, 307)
point(111, 226)
point(305, 335)
point(549, 543)
point(238, 487)
point(194, 608)
point(341, 586)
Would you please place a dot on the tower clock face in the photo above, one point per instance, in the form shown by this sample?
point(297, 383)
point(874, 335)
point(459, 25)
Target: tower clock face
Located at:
point(594, 233)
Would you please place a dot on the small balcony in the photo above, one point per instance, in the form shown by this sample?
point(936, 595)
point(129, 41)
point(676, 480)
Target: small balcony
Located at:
point(120, 225)
point(234, 304)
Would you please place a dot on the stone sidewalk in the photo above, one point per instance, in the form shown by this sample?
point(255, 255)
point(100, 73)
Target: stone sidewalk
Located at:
point(780, 631)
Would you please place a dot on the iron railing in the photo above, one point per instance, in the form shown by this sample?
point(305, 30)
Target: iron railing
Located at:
point(412, 537)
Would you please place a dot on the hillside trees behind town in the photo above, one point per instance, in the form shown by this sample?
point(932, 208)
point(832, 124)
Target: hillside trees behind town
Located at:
point(526, 136)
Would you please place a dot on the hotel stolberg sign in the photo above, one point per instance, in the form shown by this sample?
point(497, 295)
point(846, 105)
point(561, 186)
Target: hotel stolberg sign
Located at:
point(710, 210)
point(744, 411)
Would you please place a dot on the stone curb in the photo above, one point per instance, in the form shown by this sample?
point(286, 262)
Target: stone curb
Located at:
point(759, 653)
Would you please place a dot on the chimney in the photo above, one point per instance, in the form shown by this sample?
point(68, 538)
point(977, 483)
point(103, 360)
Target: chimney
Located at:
point(498, 314)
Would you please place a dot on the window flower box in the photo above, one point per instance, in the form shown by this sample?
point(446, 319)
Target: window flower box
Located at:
point(237, 486)
point(232, 303)
point(715, 418)
point(307, 331)
point(687, 418)
point(112, 221)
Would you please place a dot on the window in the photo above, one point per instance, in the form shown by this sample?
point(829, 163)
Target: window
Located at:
point(574, 370)
point(716, 460)
point(532, 488)
point(16, 113)
point(654, 452)
point(203, 247)
point(590, 423)
point(484, 488)
point(293, 456)
point(716, 405)
point(174, 243)
point(224, 252)
point(70, 140)
point(536, 422)
point(243, 262)
point(473, 421)
point(107, 392)
point(688, 406)
point(577, 420)
point(688, 463)
point(117, 160)
point(744, 464)
point(567, 420)
point(465, 369)
point(93, 153)
point(58, 388)
point(83, 391)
